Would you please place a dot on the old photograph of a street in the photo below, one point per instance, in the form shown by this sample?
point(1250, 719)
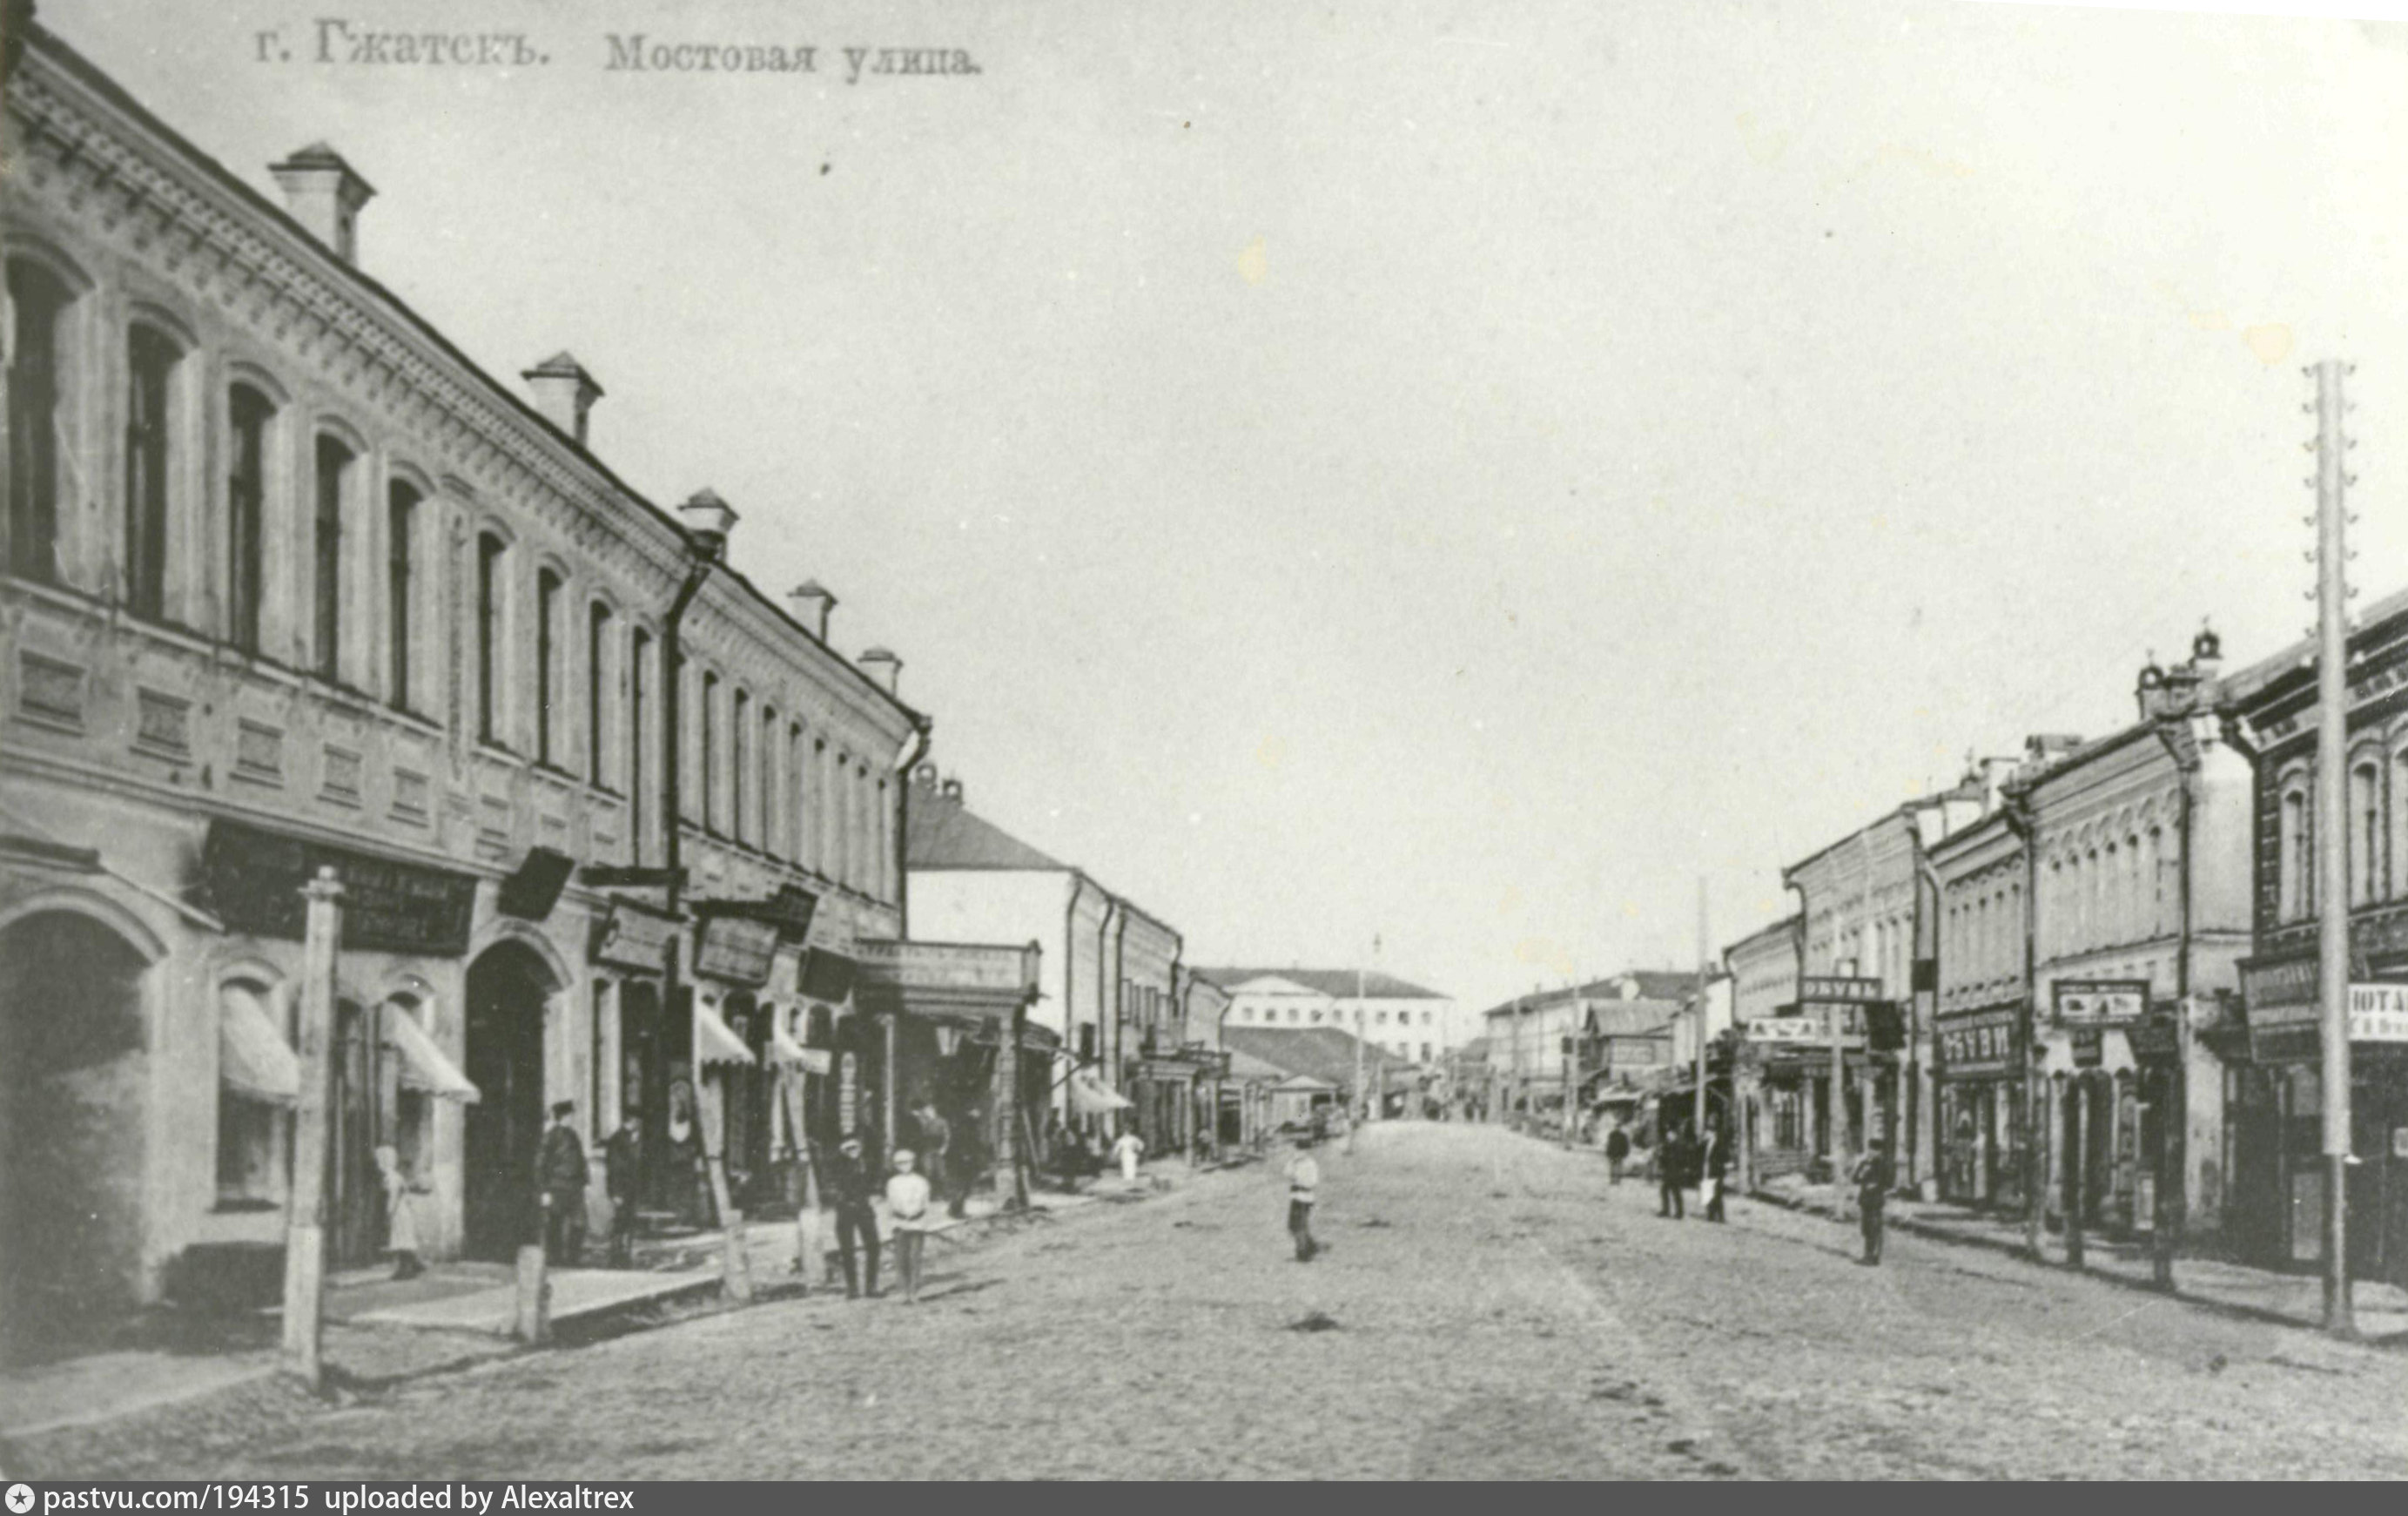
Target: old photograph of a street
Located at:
point(1530, 740)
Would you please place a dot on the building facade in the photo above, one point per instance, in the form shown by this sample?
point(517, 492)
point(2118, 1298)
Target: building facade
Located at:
point(2275, 1110)
point(290, 583)
point(1420, 1026)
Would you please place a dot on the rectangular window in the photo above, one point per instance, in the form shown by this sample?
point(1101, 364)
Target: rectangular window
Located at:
point(640, 646)
point(150, 369)
point(546, 662)
point(400, 523)
point(39, 300)
point(489, 633)
point(597, 692)
point(334, 474)
point(249, 413)
point(740, 731)
point(709, 752)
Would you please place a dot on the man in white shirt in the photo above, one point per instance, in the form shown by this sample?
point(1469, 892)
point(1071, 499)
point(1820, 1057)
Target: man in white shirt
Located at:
point(1303, 1181)
point(907, 1205)
point(1129, 1149)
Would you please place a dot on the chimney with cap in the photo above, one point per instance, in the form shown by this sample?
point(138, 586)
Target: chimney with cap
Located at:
point(563, 393)
point(811, 605)
point(323, 193)
point(884, 667)
point(709, 520)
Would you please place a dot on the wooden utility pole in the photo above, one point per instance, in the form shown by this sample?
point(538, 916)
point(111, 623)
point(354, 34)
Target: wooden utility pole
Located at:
point(305, 1233)
point(2332, 830)
point(1570, 1046)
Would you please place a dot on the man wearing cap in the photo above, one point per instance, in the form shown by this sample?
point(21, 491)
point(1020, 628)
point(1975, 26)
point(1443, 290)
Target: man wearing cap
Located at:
point(848, 1184)
point(623, 1173)
point(560, 1184)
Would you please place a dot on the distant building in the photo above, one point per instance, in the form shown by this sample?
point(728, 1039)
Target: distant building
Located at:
point(1417, 1025)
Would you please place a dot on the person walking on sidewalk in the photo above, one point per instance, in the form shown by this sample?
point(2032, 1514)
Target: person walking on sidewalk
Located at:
point(1617, 1152)
point(1713, 1164)
point(1128, 1148)
point(623, 1172)
point(561, 1176)
point(908, 1198)
point(1303, 1185)
point(848, 1184)
point(1873, 1175)
point(400, 1213)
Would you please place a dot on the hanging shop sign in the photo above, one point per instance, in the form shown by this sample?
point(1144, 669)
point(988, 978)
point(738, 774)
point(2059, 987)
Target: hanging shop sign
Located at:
point(2378, 1012)
point(827, 977)
point(1778, 1029)
point(2279, 1000)
point(2089, 1046)
point(2099, 1003)
point(634, 936)
point(735, 949)
point(1983, 1043)
point(255, 878)
point(1838, 990)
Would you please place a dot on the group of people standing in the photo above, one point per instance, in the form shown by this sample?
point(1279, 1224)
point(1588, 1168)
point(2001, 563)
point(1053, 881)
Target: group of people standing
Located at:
point(1686, 1159)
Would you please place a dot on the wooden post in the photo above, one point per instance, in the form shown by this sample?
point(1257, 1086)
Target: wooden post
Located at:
point(534, 1296)
point(305, 1235)
point(2077, 1175)
point(735, 1263)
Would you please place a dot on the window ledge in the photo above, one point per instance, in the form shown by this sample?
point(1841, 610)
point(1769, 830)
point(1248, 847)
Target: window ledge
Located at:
point(245, 1207)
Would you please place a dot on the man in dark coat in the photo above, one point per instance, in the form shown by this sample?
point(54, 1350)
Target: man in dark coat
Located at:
point(623, 1167)
point(560, 1182)
point(1671, 1173)
point(849, 1182)
point(1874, 1175)
point(1617, 1152)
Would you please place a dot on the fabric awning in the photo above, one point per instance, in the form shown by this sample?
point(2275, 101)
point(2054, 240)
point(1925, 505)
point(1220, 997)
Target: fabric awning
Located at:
point(251, 1054)
point(713, 1043)
point(423, 1063)
point(787, 1050)
point(1090, 1096)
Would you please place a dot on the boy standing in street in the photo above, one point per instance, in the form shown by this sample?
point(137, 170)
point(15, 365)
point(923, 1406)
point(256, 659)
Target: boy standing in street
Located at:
point(561, 1176)
point(1303, 1182)
point(907, 1201)
point(623, 1172)
point(1873, 1175)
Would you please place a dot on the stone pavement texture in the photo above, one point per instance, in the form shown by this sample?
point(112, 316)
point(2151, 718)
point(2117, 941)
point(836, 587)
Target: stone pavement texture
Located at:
point(1491, 1310)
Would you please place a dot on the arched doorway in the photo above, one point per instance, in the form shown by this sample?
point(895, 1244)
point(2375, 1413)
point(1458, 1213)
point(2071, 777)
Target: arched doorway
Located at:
point(73, 1069)
point(509, 986)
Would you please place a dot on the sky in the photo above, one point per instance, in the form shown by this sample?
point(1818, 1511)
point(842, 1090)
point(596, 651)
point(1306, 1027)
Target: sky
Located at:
point(1453, 473)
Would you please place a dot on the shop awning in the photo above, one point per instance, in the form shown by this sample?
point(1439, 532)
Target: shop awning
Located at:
point(1090, 1096)
point(787, 1050)
point(423, 1063)
point(252, 1055)
point(713, 1043)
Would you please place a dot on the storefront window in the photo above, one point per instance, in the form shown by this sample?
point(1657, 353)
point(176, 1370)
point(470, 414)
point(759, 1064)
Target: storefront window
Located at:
point(252, 1133)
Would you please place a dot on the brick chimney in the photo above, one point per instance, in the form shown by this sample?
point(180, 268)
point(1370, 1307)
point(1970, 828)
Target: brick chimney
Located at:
point(811, 606)
point(563, 393)
point(323, 193)
point(884, 667)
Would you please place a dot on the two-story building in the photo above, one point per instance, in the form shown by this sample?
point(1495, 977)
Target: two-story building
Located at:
point(1416, 1024)
point(2275, 1111)
point(290, 583)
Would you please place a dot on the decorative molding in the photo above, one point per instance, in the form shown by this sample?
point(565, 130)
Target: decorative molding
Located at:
point(163, 723)
point(50, 690)
point(258, 752)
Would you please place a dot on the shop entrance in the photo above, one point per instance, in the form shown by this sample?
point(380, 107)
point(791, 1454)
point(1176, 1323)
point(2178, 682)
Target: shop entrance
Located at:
point(508, 988)
point(355, 1196)
point(73, 1068)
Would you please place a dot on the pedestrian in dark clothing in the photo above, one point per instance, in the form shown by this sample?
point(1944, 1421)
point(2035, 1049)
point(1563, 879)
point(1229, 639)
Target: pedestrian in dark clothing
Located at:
point(1671, 1173)
point(964, 1162)
point(622, 1170)
point(849, 1182)
point(1617, 1152)
point(1714, 1162)
point(560, 1182)
point(1873, 1175)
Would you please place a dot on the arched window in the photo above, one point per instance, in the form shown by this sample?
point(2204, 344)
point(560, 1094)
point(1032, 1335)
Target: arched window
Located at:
point(249, 415)
point(710, 714)
point(795, 791)
point(547, 665)
point(38, 301)
point(739, 745)
point(400, 585)
point(491, 554)
point(772, 833)
point(257, 1084)
point(2295, 862)
point(640, 651)
point(335, 458)
point(2366, 832)
point(150, 359)
point(597, 695)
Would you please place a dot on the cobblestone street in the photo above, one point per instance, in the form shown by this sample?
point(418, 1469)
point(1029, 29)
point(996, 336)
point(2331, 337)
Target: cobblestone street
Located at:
point(1498, 1311)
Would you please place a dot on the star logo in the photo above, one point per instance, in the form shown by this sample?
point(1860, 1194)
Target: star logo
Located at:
point(21, 1498)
